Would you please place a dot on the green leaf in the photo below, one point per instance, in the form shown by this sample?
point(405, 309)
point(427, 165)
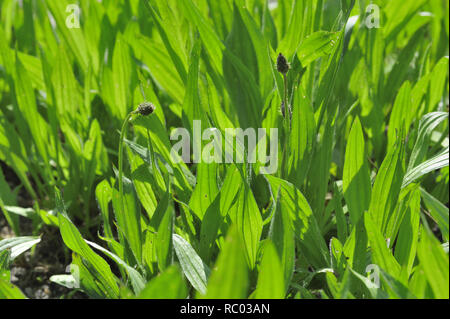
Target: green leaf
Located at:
point(121, 68)
point(9, 291)
point(67, 281)
point(193, 267)
point(184, 180)
point(295, 29)
point(265, 78)
point(86, 278)
point(438, 82)
point(94, 160)
point(26, 102)
point(247, 217)
point(168, 38)
point(356, 179)
point(400, 115)
point(128, 219)
point(438, 161)
point(435, 264)
point(395, 288)
point(103, 193)
point(340, 290)
point(229, 278)
point(381, 255)
point(341, 220)
point(137, 281)
point(302, 137)
point(406, 245)
point(72, 37)
point(206, 189)
point(18, 245)
point(375, 290)
point(338, 258)
point(99, 269)
point(242, 86)
point(5, 261)
point(439, 212)
point(355, 247)
point(328, 79)
point(21, 211)
point(163, 242)
point(426, 126)
point(145, 174)
point(270, 279)
point(398, 15)
point(316, 45)
point(144, 184)
point(161, 210)
point(398, 72)
point(211, 223)
point(168, 285)
point(67, 93)
point(319, 172)
point(12, 150)
point(192, 109)
point(387, 187)
point(230, 189)
point(307, 231)
point(209, 37)
point(281, 233)
point(161, 69)
point(7, 198)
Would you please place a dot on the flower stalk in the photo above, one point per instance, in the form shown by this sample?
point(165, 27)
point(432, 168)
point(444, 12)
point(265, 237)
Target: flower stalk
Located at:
point(283, 67)
point(143, 109)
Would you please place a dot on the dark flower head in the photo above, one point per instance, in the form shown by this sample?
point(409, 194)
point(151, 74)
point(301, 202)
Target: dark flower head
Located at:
point(282, 64)
point(145, 108)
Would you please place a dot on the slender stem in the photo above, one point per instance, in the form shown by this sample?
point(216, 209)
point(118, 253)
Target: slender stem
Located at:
point(122, 136)
point(285, 95)
point(287, 128)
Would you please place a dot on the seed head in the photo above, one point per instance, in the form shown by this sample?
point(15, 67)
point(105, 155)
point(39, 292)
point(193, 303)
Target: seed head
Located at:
point(282, 64)
point(145, 108)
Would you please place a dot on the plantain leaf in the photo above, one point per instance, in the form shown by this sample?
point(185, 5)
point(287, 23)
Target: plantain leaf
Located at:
point(438, 161)
point(281, 233)
point(164, 244)
point(96, 266)
point(426, 126)
point(307, 232)
point(438, 210)
point(168, 285)
point(247, 217)
point(18, 245)
point(316, 45)
point(387, 187)
point(137, 281)
point(128, 219)
point(356, 179)
point(270, 279)
point(192, 265)
point(229, 278)
point(434, 263)
point(10, 291)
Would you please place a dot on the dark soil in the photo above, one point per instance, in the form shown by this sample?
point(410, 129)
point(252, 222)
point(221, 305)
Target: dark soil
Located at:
point(32, 270)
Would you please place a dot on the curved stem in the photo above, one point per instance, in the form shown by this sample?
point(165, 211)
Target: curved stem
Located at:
point(287, 129)
point(122, 136)
point(285, 94)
